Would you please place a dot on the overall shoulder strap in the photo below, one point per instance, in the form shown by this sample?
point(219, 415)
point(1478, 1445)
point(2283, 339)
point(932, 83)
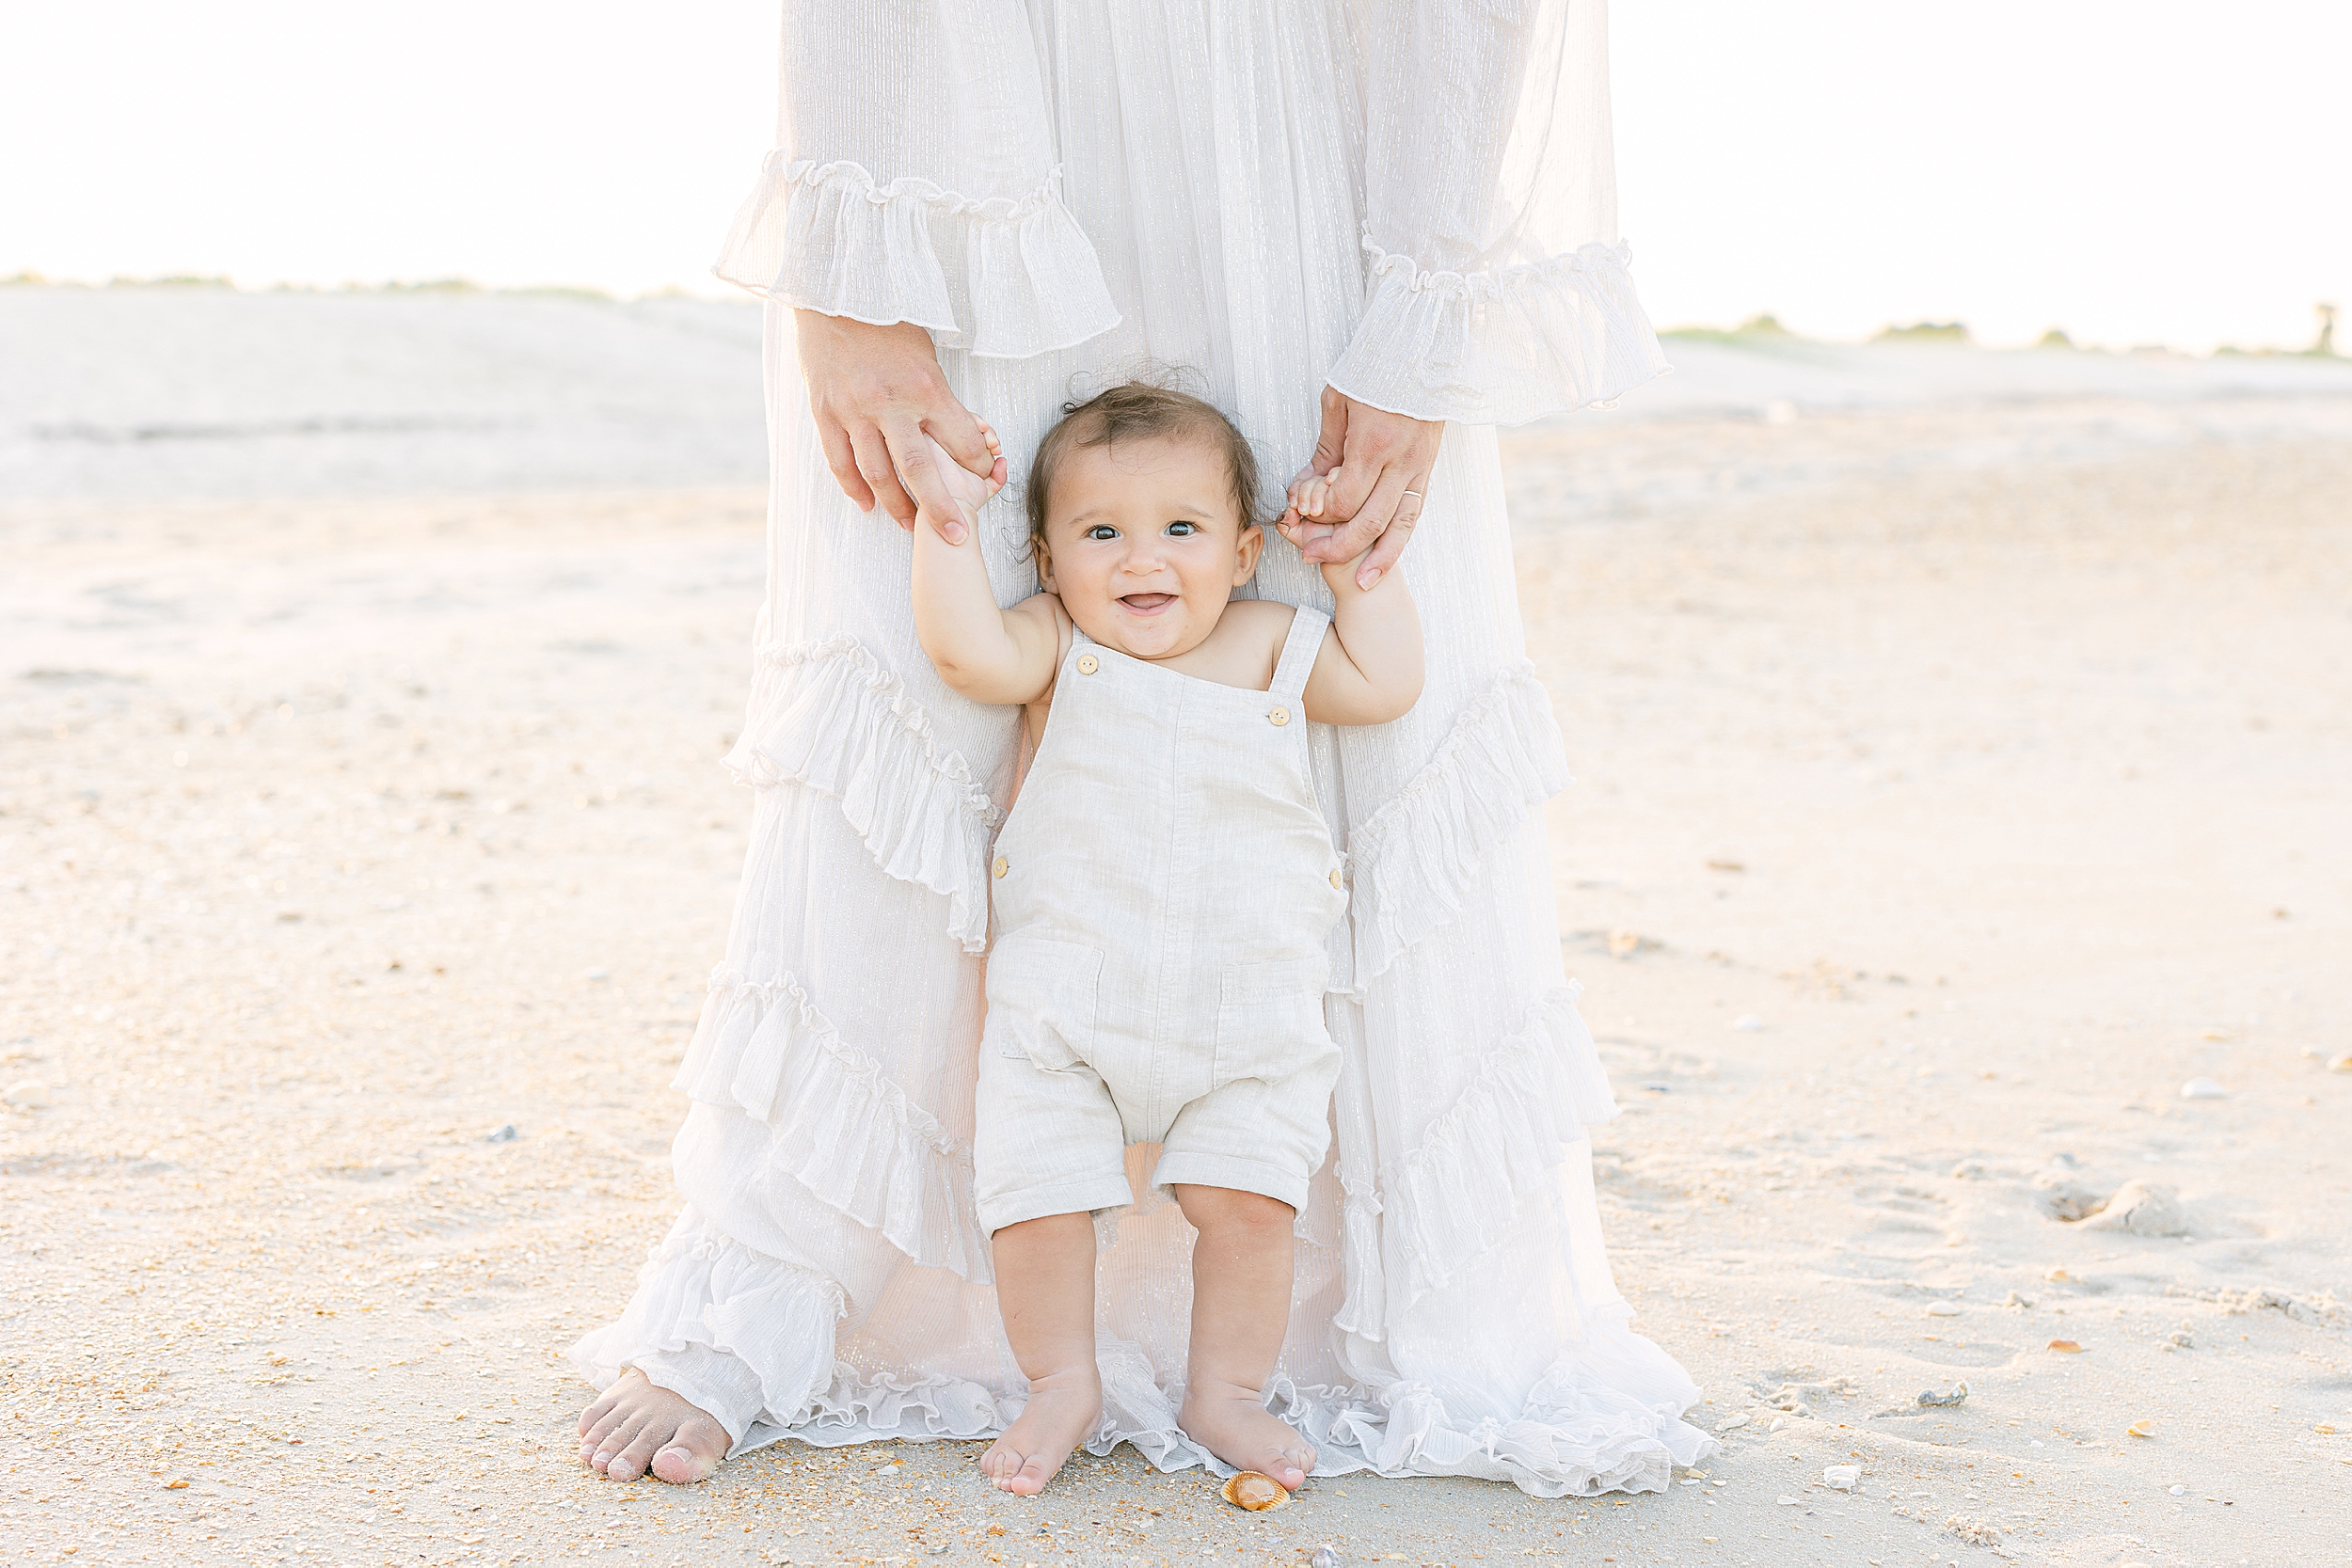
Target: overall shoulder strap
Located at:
point(1299, 652)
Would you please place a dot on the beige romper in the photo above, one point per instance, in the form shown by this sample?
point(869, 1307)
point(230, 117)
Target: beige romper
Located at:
point(1164, 891)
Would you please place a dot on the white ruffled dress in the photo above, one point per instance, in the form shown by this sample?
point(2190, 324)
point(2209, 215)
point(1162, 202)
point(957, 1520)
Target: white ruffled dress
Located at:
point(1411, 201)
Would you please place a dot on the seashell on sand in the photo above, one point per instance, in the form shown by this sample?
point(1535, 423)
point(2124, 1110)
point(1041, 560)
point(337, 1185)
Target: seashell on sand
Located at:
point(1254, 1492)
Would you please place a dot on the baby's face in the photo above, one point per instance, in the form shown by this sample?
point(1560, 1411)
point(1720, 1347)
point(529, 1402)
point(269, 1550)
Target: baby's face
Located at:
point(1145, 545)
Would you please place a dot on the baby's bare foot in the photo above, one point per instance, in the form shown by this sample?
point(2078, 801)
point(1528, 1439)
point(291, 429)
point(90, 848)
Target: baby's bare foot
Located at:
point(1233, 1423)
point(1063, 1410)
point(640, 1426)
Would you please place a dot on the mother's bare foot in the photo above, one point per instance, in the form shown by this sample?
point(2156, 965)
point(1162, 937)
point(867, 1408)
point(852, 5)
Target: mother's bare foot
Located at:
point(640, 1426)
point(1233, 1423)
point(1063, 1409)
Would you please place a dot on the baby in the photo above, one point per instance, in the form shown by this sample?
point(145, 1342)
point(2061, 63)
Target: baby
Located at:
point(1163, 895)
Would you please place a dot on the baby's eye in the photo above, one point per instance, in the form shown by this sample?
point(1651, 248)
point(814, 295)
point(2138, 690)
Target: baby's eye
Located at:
point(1183, 530)
point(1099, 530)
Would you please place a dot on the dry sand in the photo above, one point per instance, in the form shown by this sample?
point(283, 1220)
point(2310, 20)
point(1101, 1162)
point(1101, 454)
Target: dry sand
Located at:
point(1962, 771)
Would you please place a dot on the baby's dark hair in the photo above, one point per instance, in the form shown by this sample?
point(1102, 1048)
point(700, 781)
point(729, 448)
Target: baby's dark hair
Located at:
point(1140, 411)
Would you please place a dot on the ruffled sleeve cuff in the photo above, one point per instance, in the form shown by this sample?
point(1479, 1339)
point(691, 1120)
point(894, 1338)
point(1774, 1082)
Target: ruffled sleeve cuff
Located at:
point(1003, 278)
point(1500, 347)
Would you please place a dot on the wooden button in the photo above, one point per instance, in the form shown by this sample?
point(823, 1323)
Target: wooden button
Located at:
point(1335, 881)
point(1004, 865)
point(1279, 716)
point(1087, 664)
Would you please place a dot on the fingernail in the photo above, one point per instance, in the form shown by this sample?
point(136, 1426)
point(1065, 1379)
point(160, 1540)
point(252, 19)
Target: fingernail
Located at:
point(1369, 577)
point(955, 533)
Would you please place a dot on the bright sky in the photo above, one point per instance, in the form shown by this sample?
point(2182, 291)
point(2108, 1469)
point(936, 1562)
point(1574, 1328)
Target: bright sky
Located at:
point(2134, 172)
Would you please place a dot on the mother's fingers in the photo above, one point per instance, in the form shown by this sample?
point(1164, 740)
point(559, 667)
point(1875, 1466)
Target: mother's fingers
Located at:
point(960, 431)
point(1311, 539)
point(842, 458)
point(1390, 546)
point(1371, 523)
point(1344, 541)
point(875, 465)
point(1349, 488)
point(918, 473)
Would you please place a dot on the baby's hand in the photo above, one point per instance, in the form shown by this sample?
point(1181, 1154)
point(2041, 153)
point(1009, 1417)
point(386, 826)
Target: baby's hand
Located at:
point(1302, 521)
point(968, 489)
point(1311, 492)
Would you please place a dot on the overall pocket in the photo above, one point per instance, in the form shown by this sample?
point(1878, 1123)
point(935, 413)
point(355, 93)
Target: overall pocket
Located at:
point(1269, 1018)
point(1042, 1000)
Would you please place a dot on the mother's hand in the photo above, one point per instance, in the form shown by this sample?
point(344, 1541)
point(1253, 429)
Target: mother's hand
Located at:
point(875, 390)
point(1364, 488)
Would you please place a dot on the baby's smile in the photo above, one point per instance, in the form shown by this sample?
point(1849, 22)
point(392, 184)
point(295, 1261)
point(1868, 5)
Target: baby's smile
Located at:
point(1146, 604)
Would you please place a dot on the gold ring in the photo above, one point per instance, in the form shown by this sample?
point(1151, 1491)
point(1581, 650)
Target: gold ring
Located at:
point(1415, 494)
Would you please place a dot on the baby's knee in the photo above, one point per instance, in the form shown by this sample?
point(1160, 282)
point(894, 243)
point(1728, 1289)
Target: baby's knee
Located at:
point(1230, 1211)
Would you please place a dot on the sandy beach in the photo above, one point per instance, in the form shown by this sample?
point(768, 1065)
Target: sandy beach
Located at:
point(1959, 874)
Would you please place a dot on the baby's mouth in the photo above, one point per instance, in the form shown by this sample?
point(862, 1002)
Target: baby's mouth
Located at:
point(1146, 604)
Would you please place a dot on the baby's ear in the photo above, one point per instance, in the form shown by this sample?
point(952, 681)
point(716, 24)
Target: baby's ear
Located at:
point(1245, 553)
point(1044, 559)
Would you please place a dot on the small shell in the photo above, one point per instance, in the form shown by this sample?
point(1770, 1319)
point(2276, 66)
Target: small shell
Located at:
point(2066, 1347)
point(2141, 1429)
point(1254, 1492)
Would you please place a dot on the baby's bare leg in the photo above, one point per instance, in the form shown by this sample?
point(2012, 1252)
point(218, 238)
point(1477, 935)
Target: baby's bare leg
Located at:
point(1241, 1306)
point(1045, 1290)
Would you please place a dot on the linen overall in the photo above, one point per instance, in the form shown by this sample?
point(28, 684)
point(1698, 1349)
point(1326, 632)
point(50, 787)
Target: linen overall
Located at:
point(1162, 892)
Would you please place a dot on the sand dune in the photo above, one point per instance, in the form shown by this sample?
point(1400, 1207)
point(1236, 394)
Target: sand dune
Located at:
point(1962, 742)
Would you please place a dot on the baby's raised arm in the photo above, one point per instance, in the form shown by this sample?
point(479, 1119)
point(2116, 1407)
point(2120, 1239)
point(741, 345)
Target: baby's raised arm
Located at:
point(1370, 668)
point(988, 654)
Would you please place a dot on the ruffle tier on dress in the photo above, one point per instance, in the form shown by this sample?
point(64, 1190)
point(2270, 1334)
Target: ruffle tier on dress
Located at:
point(1603, 1420)
point(1501, 347)
point(829, 237)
